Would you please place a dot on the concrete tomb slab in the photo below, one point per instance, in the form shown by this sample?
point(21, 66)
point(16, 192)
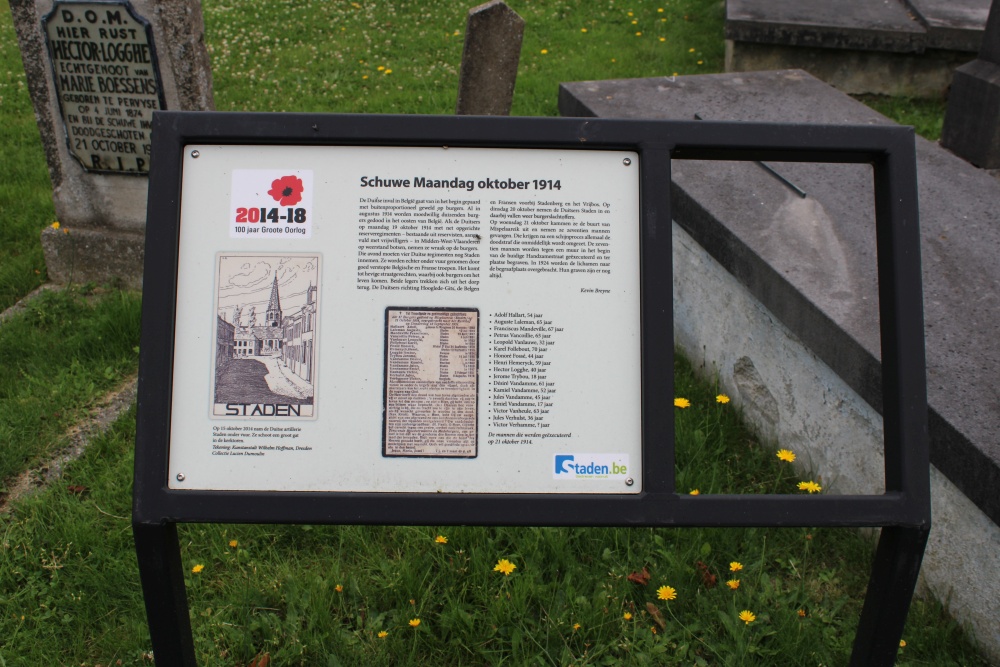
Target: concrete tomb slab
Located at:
point(808, 263)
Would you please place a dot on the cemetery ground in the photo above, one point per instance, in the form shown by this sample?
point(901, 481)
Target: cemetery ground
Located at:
point(311, 595)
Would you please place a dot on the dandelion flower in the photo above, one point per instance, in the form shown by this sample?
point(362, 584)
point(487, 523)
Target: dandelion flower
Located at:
point(198, 568)
point(786, 455)
point(545, 51)
point(576, 626)
point(735, 566)
point(691, 50)
point(339, 588)
point(441, 539)
point(380, 67)
point(663, 39)
point(666, 593)
point(365, 76)
point(747, 616)
point(389, 71)
point(733, 584)
point(505, 566)
point(55, 225)
point(638, 34)
point(659, 10)
point(701, 62)
point(682, 403)
point(382, 634)
point(233, 543)
point(635, 21)
point(627, 616)
point(721, 398)
point(802, 613)
point(631, 14)
point(653, 629)
point(583, 30)
point(902, 643)
point(810, 486)
point(694, 492)
point(414, 622)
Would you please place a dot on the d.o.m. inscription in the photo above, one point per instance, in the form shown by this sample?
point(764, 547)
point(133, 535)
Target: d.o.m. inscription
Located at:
point(107, 82)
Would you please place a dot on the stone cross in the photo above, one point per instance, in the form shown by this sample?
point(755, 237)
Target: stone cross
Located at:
point(972, 122)
point(96, 71)
point(493, 37)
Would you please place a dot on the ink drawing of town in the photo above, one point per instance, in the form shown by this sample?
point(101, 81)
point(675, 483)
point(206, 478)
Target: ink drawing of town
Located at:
point(265, 352)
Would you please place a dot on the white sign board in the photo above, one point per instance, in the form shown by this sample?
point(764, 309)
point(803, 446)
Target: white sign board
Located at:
point(407, 319)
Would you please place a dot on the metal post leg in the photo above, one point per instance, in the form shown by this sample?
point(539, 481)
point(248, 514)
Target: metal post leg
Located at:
point(162, 577)
point(890, 590)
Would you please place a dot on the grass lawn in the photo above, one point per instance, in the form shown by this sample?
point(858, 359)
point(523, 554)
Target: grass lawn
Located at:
point(346, 595)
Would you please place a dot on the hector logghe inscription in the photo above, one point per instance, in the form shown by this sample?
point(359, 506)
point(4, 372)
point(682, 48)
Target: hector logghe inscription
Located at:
point(107, 82)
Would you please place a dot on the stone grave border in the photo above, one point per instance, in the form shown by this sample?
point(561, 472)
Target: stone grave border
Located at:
point(903, 511)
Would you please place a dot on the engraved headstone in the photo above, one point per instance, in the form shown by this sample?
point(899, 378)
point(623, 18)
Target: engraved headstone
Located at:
point(96, 72)
point(972, 121)
point(489, 60)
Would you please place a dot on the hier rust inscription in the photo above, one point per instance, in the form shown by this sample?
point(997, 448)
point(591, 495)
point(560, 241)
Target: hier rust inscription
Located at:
point(107, 83)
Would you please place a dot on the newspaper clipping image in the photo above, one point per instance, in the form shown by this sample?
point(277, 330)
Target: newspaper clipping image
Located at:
point(265, 347)
point(431, 382)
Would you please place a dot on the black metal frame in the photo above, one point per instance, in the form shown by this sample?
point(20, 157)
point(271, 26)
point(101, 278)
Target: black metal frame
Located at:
point(903, 511)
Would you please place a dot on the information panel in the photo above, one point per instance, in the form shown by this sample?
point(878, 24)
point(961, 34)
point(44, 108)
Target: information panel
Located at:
point(107, 82)
point(407, 319)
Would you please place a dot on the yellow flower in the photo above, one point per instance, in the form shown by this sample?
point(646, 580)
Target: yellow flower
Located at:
point(700, 62)
point(389, 71)
point(365, 76)
point(747, 616)
point(735, 566)
point(682, 403)
point(382, 634)
point(197, 568)
point(721, 398)
point(380, 67)
point(627, 616)
point(638, 34)
point(663, 39)
point(55, 225)
point(414, 622)
point(666, 593)
point(733, 584)
point(691, 50)
point(660, 10)
point(339, 588)
point(635, 21)
point(631, 14)
point(441, 539)
point(233, 543)
point(576, 626)
point(902, 643)
point(583, 30)
point(802, 613)
point(544, 51)
point(653, 629)
point(694, 492)
point(810, 486)
point(505, 566)
point(786, 455)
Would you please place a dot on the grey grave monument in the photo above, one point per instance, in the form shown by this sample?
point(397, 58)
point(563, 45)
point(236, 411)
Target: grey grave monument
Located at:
point(489, 60)
point(96, 72)
point(972, 121)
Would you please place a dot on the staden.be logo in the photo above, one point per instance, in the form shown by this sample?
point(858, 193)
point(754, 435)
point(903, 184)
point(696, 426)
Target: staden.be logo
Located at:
point(590, 466)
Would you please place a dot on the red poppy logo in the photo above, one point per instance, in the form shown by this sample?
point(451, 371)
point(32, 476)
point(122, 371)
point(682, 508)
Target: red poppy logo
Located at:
point(287, 190)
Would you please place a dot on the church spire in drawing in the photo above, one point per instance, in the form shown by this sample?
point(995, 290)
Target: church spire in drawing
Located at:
point(273, 314)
